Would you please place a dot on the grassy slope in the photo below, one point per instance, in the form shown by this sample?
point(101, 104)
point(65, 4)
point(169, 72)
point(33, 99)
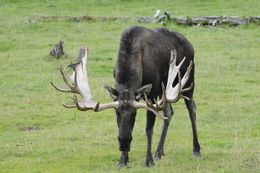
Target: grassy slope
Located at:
point(227, 91)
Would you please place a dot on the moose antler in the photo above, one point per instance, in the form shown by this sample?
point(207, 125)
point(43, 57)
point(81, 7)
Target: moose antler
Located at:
point(78, 84)
point(81, 87)
point(172, 94)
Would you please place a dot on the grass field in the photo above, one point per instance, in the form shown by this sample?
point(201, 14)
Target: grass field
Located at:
point(38, 135)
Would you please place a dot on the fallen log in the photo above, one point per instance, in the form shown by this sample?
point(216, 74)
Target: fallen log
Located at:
point(163, 19)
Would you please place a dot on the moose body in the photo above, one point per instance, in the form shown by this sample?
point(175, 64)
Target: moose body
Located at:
point(143, 58)
point(145, 64)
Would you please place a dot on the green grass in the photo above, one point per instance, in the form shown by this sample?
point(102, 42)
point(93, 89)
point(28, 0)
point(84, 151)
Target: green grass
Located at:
point(61, 140)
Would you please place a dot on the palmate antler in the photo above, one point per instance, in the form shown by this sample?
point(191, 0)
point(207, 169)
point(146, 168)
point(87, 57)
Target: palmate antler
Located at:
point(173, 94)
point(78, 84)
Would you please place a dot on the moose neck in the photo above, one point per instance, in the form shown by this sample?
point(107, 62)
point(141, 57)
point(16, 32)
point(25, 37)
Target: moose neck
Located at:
point(128, 72)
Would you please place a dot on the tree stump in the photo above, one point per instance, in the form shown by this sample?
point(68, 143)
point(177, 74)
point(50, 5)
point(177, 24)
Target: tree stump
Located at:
point(57, 50)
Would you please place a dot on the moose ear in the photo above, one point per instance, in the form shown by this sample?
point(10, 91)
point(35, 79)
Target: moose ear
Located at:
point(113, 92)
point(139, 94)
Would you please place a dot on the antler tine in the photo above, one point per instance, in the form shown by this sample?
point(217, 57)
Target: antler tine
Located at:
point(69, 106)
point(185, 97)
point(138, 105)
point(61, 89)
point(157, 106)
point(66, 79)
point(147, 101)
point(160, 105)
point(173, 59)
point(162, 102)
point(173, 56)
point(74, 98)
point(185, 90)
point(173, 94)
point(188, 89)
point(186, 76)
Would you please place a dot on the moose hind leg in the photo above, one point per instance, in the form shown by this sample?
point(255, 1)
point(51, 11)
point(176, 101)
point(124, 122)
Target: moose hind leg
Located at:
point(150, 119)
point(168, 112)
point(191, 106)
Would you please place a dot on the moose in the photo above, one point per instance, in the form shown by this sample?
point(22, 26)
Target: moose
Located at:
point(156, 66)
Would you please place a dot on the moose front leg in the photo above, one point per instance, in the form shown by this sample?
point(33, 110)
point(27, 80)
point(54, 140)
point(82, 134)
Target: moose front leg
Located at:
point(150, 119)
point(168, 112)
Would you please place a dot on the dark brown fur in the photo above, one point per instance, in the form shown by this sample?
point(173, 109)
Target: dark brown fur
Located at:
point(143, 58)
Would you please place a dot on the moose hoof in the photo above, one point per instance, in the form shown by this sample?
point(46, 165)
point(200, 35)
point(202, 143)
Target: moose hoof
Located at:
point(158, 155)
point(196, 154)
point(149, 162)
point(122, 165)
